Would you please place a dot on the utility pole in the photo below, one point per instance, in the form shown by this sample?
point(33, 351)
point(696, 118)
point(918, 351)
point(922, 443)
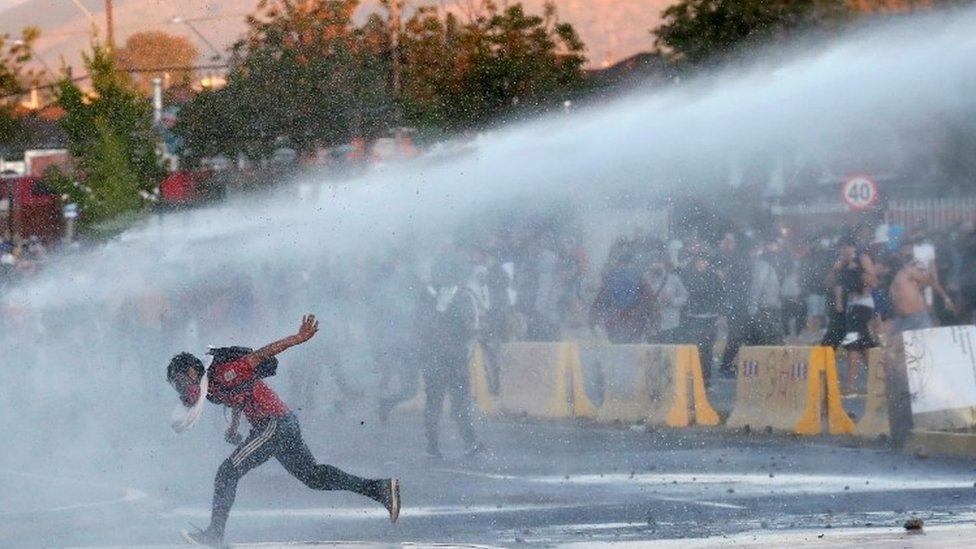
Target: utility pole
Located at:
point(109, 27)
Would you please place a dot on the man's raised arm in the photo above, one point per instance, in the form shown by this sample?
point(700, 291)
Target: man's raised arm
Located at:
point(305, 332)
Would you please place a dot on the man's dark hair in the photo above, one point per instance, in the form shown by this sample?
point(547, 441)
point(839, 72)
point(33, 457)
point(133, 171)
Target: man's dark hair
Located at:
point(181, 364)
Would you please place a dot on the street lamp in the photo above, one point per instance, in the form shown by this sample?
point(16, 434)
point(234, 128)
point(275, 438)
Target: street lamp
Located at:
point(89, 15)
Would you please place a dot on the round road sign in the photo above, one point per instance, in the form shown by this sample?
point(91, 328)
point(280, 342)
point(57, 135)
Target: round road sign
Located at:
point(859, 192)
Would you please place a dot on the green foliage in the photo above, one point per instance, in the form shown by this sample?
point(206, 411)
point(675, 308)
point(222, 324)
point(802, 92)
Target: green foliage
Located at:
point(14, 56)
point(698, 31)
point(501, 62)
point(110, 136)
point(15, 79)
point(150, 49)
point(13, 132)
point(304, 75)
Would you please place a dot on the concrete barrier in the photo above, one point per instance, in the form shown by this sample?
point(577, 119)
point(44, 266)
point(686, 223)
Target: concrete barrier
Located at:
point(646, 384)
point(875, 422)
point(705, 414)
point(581, 404)
point(777, 388)
point(786, 389)
point(481, 396)
point(419, 400)
point(924, 443)
point(536, 379)
point(838, 422)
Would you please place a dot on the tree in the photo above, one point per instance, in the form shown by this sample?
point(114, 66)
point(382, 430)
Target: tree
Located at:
point(699, 31)
point(500, 62)
point(157, 50)
point(694, 32)
point(891, 6)
point(109, 133)
point(303, 75)
point(15, 79)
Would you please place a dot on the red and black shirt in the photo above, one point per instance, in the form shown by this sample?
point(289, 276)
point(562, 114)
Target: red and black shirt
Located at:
point(235, 385)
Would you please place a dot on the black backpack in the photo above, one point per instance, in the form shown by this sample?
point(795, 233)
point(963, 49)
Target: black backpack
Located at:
point(222, 355)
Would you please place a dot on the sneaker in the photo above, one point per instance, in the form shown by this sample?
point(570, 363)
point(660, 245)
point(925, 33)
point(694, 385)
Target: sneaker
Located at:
point(204, 538)
point(389, 496)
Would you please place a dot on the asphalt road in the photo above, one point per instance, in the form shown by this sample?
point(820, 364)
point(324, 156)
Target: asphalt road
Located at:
point(539, 483)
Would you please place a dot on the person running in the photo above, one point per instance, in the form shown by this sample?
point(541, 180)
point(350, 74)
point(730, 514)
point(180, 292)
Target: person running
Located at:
point(275, 431)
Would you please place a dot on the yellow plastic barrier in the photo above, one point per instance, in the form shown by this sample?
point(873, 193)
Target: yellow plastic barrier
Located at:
point(646, 384)
point(783, 389)
point(704, 413)
point(482, 398)
point(419, 400)
point(775, 390)
point(484, 401)
point(838, 422)
point(874, 422)
point(536, 379)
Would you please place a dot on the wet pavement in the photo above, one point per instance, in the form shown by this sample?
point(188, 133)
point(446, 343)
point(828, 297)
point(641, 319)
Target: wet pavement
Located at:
point(539, 484)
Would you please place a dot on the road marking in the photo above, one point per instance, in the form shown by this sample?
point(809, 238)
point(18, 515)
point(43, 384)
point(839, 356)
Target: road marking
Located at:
point(778, 482)
point(571, 479)
point(700, 503)
point(60, 480)
point(943, 536)
point(128, 494)
point(368, 512)
point(311, 545)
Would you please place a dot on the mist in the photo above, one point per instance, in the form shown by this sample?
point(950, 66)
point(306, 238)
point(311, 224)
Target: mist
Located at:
point(84, 389)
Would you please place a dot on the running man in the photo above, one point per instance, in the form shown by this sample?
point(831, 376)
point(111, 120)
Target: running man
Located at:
point(274, 432)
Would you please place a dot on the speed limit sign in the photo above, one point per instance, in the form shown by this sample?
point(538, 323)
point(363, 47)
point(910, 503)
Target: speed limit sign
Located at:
point(859, 192)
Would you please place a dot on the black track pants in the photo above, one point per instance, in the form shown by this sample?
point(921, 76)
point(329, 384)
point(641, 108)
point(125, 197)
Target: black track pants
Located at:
point(280, 438)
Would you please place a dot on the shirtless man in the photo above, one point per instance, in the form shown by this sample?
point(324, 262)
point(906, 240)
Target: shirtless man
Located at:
point(908, 293)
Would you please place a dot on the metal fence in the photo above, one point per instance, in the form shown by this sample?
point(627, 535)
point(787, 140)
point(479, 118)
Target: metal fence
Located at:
point(937, 214)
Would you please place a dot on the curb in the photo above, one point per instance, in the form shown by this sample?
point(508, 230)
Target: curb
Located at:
point(941, 443)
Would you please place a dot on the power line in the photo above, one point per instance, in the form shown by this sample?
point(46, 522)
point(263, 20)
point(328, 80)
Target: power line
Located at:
point(176, 68)
point(140, 26)
point(44, 87)
point(136, 70)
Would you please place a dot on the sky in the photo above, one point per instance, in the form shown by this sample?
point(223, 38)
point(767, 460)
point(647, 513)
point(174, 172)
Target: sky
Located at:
point(612, 29)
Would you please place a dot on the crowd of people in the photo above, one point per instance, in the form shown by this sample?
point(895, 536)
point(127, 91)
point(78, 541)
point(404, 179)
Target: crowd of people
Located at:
point(841, 288)
point(409, 313)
